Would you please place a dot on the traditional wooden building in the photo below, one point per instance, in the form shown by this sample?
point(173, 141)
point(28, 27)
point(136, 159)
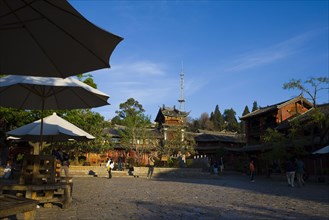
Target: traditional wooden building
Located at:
point(126, 152)
point(282, 117)
point(211, 143)
point(172, 126)
point(314, 135)
point(170, 120)
point(271, 116)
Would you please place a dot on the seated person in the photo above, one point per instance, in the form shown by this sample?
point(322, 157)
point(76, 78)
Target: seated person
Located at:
point(7, 171)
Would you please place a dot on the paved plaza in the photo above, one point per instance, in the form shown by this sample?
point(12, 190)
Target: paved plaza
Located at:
point(230, 196)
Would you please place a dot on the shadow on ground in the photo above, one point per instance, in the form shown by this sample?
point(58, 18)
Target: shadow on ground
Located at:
point(312, 191)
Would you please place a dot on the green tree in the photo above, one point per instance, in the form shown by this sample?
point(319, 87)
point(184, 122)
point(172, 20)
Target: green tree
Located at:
point(231, 121)
point(88, 79)
point(254, 106)
point(242, 123)
point(130, 107)
point(174, 142)
point(11, 118)
point(94, 124)
point(217, 119)
point(245, 111)
point(116, 120)
point(136, 134)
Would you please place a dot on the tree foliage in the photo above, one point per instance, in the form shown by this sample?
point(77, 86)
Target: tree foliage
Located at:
point(130, 108)
point(217, 119)
point(231, 121)
point(254, 106)
point(245, 111)
point(242, 123)
point(87, 79)
point(135, 134)
point(92, 123)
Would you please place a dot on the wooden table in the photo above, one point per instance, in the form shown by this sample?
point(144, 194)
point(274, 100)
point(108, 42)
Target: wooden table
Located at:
point(12, 205)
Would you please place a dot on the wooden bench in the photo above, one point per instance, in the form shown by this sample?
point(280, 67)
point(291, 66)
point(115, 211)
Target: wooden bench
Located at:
point(12, 205)
point(47, 193)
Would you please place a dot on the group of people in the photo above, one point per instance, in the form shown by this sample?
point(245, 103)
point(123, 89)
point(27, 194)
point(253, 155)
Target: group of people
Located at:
point(110, 166)
point(295, 167)
point(63, 159)
point(217, 166)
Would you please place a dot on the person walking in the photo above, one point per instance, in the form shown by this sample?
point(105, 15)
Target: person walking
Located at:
point(221, 165)
point(109, 167)
point(120, 162)
point(300, 172)
point(252, 170)
point(151, 167)
point(290, 172)
point(216, 167)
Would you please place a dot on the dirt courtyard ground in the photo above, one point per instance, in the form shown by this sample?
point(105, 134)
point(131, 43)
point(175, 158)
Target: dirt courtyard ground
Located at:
point(230, 196)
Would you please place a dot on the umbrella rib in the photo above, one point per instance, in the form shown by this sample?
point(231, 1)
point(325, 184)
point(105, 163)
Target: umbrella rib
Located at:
point(67, 33)
point(32, 36)
point(16, 25)
point(81, 98)
point(13, 12)
point(85, 20)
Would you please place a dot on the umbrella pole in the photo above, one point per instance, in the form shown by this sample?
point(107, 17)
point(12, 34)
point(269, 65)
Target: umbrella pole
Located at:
point(41, 127)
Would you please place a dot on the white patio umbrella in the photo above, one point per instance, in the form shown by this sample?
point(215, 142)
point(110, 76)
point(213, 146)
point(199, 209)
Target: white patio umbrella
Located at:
point(55, 129)
point(324, 150)
point(50, 38)
point(41, 93)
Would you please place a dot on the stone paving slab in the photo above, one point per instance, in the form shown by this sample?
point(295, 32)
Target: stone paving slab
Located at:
point(230, 196)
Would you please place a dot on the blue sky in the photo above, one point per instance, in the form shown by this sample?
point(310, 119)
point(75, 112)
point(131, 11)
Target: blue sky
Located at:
point(233, 52)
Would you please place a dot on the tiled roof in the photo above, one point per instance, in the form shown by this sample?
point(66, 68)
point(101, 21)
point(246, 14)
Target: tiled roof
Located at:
point(275, 107)
point(167, 111)
point(117, 130)
point(207, 136)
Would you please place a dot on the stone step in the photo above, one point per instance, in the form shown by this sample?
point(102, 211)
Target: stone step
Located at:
point(94, 171)
point(100, 171)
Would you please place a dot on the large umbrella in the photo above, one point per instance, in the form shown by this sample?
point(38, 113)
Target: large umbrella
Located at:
point(50, 38)
point(40, 93)
point(55, 129)
point(324, 150)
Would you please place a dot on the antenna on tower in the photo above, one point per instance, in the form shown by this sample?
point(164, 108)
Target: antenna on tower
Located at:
point(181, 100)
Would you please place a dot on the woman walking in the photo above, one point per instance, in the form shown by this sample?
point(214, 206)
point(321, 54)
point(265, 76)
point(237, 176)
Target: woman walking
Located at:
point(110, 166)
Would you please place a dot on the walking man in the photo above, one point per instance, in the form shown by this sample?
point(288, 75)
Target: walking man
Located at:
point(151, 167)
point(290, 172)
point(252, 170)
